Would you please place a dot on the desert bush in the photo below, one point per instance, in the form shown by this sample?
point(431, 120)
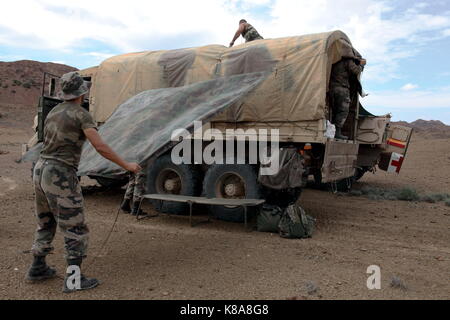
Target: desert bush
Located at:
point(447, 203)
point(404, 194)
point(27, 85)
point(427, 198)
point(435, 197)
point(356, 193)
point(397, 283)
point(5, 86)
point(441, 196)
point(17, 83)
point(408, 194)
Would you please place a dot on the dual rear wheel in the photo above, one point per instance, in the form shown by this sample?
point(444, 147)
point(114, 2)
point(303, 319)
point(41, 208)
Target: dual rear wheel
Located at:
point(219, 181)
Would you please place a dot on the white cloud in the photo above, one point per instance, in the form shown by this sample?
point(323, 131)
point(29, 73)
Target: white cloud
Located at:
point(98, 57)
point(409, 87)
point(409, 100)
point(381, 33)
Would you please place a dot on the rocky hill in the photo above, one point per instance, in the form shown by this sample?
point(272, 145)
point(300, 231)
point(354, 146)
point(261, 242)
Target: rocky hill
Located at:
point(428, 128)
point(21, 81)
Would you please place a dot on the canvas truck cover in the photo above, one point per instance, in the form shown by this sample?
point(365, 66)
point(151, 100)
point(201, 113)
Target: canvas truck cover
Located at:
point(295, 89)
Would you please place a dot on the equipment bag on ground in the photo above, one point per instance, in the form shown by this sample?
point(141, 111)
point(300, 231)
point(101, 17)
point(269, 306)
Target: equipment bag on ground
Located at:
point(268, 218)
point(295, 223)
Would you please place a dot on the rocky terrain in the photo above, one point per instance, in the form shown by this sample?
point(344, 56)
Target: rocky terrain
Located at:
point(21, 81)
point(164, 258)
point(429, 129)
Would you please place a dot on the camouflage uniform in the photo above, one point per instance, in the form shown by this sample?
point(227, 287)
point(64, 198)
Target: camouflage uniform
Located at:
point(59, 200)
point(340, 89)
point(250, 34)
point(136, 187)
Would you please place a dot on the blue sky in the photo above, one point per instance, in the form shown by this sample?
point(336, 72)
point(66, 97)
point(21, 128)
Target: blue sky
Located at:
point(406, 43)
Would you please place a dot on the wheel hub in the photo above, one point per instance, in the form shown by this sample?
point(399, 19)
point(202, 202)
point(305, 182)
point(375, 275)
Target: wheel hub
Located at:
point(234, 190)
point(172, 184)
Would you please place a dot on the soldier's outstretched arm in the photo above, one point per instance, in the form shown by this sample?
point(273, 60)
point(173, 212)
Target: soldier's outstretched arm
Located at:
point(238, 33)
point(108, 153)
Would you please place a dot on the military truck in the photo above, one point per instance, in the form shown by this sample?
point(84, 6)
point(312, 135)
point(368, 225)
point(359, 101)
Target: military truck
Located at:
point(293, 98)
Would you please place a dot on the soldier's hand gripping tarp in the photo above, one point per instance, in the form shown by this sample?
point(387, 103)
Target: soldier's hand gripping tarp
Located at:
point(142, 126)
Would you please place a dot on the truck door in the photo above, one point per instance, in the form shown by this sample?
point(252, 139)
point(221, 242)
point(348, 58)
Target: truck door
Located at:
point(395, 147)
point(46, 104)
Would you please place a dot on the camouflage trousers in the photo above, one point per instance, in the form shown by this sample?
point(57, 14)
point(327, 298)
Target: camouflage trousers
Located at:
point(136, 187)
point(59, 202)
point(340, 98)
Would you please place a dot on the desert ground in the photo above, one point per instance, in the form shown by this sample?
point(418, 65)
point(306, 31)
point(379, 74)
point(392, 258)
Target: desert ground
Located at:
point(164, 258)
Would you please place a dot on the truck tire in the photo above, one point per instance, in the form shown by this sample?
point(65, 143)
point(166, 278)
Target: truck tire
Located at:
point(110, 183)
point(165, 177)
point(359, 173)
point(236, 181)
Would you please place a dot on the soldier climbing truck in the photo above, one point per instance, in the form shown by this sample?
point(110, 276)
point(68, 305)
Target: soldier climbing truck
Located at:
point(293, 98)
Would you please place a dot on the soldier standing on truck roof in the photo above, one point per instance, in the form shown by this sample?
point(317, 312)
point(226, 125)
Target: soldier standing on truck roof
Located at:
point(247, 31)
point(59, 200)
point(341, 73)
point(134, 193)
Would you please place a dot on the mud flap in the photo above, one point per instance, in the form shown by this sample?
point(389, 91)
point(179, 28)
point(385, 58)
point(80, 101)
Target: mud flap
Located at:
point(339, 161)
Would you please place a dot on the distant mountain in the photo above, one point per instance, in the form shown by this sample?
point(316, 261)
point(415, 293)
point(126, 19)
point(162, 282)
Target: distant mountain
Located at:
point(428, 128)
point(21, 81)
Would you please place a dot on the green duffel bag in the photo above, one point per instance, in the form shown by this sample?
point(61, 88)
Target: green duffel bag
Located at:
point(268, 218)
point(295, 223)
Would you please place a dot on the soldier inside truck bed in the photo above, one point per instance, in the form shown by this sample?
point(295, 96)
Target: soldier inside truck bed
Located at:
point(340, 96)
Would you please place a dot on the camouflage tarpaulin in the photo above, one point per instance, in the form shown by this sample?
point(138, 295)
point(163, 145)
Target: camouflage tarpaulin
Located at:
point(142, 126)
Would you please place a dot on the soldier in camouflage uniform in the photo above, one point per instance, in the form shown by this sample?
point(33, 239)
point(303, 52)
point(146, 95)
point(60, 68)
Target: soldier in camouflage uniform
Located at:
point(59, 201)
point(134, 193)
point(341, 73)
point(247, 31)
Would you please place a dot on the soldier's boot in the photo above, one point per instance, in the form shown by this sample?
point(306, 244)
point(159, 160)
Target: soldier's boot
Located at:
point(136, 210)
point(125, 206)
point(339, 134)
point(39, 270)
point(85, 282)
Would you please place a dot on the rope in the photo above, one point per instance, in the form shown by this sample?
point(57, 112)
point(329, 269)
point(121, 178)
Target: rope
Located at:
point(105, 242)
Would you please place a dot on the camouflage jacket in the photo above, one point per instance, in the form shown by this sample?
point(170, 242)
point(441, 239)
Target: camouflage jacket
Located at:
point(63, 133)
point(342, 71)
point(251, 34)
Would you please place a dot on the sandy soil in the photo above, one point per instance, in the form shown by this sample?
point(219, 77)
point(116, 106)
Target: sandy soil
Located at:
point(163, 258)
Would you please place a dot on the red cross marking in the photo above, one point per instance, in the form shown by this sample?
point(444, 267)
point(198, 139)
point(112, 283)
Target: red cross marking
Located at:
point(398, 164)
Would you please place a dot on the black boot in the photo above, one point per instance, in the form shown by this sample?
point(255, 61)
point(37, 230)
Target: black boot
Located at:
point(39, 270)
point(136, 211)
point(339, 134)
point(85, 283)
point(125, 206)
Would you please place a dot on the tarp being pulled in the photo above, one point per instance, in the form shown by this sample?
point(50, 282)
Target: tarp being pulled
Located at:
point(142, 126)
point(295, 89)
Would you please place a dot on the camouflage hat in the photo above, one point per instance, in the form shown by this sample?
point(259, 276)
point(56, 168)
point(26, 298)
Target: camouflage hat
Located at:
point(73, 86)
